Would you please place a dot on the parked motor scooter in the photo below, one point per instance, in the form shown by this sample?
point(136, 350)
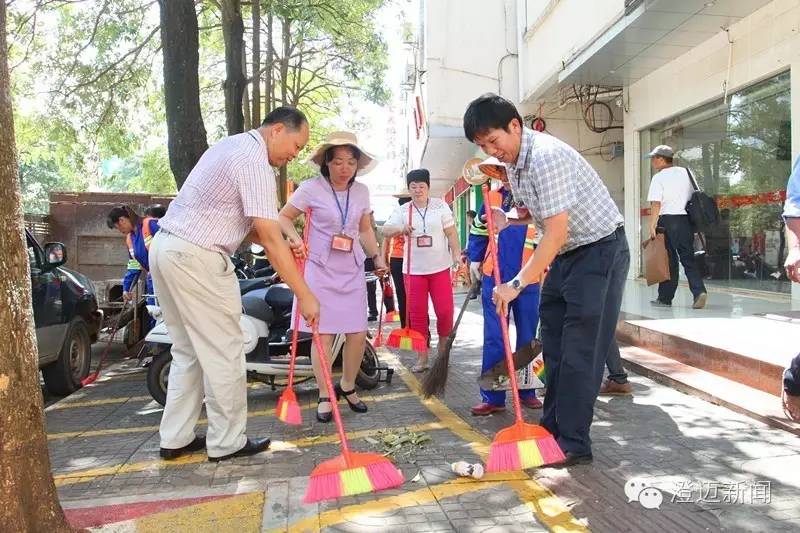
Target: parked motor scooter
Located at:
point(266, 328)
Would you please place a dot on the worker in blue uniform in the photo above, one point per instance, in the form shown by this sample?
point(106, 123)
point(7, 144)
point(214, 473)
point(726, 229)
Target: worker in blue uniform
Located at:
point(515, 245)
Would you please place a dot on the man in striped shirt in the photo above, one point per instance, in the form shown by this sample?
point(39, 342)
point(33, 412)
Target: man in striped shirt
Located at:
point(230, 195)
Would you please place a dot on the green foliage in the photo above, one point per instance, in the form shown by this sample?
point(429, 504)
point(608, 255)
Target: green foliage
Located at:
point(87, 84)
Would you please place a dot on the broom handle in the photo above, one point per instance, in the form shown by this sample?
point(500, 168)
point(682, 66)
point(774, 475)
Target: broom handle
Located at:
point(407, 277)
point(296, 319)
point(380, 313)
point(512, 375)
point(323, 358)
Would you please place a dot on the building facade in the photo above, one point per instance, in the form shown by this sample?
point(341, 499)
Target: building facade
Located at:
point(714, 79)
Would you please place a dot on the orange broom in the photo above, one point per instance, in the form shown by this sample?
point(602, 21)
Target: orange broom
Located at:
point(288, 409)
point(391, 316)
point(522, 445)
point(407, 338)
point(351, 472)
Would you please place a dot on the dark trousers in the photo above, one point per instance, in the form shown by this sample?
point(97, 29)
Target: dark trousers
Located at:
point(616, 372)
point(372, 303)
point(679, 239)
point(580, 303)
point(396, 267)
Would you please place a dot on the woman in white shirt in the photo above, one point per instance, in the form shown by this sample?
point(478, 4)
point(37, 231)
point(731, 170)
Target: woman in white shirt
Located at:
point(435, 252)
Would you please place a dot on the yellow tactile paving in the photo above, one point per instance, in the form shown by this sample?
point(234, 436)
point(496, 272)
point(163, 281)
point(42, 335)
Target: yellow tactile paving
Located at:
point(240, 513)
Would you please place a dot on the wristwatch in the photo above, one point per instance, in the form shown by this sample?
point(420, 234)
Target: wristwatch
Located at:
point(517, 284)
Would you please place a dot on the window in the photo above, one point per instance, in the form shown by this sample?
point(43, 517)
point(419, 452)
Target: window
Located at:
point(740, 153)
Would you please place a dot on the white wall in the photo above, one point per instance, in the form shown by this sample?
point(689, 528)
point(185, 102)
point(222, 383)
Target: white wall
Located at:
point(567, 124)
point(469, 48)
point(465, 43)
point(764, 44)
point(564, 28)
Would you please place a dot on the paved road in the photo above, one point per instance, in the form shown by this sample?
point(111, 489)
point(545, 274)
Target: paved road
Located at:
point(710, 467)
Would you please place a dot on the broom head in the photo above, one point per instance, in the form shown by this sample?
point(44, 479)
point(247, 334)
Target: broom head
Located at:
point(539, 369)
point(407, 339)
point(352, 473)
point(523, 446)
point(435, 380)
point(288, 409)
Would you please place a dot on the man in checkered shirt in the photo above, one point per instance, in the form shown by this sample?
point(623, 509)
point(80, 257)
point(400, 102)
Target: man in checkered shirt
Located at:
point(584, 245)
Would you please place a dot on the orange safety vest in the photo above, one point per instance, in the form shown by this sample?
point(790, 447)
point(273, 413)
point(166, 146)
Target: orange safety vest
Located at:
point(496, 200)
point(145, 233)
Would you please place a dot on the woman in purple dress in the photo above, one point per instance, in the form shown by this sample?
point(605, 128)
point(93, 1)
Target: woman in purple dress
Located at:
point(341, 238)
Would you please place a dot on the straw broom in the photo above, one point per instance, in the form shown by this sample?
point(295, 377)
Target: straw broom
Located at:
point(436, 379)
point(521, 445)
point(288, 409)
point(351, 472)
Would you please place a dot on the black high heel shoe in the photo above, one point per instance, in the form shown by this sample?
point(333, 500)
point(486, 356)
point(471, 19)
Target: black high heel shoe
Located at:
point(358, 407)
point(324, 417)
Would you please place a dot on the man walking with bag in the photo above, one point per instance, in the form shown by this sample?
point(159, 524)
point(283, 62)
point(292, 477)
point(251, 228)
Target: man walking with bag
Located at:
point(670, 191)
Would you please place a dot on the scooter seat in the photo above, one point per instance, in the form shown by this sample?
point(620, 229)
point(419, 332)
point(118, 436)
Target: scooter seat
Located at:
point(254, 305)
point(247, 285)
point(279, 297)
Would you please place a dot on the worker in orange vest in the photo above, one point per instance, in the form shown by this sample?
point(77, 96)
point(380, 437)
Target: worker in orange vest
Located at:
point(138, 234)
point(515, 246)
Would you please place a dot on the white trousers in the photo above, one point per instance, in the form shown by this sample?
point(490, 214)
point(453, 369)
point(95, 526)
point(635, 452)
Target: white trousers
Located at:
point(199, 296)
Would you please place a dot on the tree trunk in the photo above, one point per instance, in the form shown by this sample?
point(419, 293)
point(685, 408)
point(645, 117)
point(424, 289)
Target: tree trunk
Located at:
point(28, 499)
point(185, 130)
point(233, 32)
point(248, 123)
point(283, 179)
point(256, 113)
point(286, 34)
point(269, 85)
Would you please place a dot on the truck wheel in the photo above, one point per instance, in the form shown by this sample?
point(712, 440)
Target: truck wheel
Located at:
point(158, 376)
point(63, 376)
point(368, 373)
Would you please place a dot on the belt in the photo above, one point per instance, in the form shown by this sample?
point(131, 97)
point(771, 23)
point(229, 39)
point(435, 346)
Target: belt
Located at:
point(617, 234)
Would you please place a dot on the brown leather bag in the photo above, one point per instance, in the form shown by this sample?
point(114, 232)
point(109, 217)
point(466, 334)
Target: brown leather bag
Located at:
point(656, 260)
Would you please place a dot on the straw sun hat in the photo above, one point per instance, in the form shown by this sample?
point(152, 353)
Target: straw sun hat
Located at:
point(366, 162)
point(493, 168)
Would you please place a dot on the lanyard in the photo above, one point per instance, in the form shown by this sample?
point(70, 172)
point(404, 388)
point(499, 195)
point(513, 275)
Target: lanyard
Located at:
point(422, 216)
point(346, 210)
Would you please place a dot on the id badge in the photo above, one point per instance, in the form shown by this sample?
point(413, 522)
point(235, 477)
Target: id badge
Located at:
point(342, 243)
point(424, 241)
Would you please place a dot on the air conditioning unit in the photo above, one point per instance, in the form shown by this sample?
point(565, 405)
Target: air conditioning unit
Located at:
point(410, 77)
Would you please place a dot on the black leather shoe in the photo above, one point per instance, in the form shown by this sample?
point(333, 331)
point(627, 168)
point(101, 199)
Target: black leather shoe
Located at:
point(358, 407)
point(196, 445)
point(251, 447)
point(573, 459)
point(659, 303)
point(324, 417)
